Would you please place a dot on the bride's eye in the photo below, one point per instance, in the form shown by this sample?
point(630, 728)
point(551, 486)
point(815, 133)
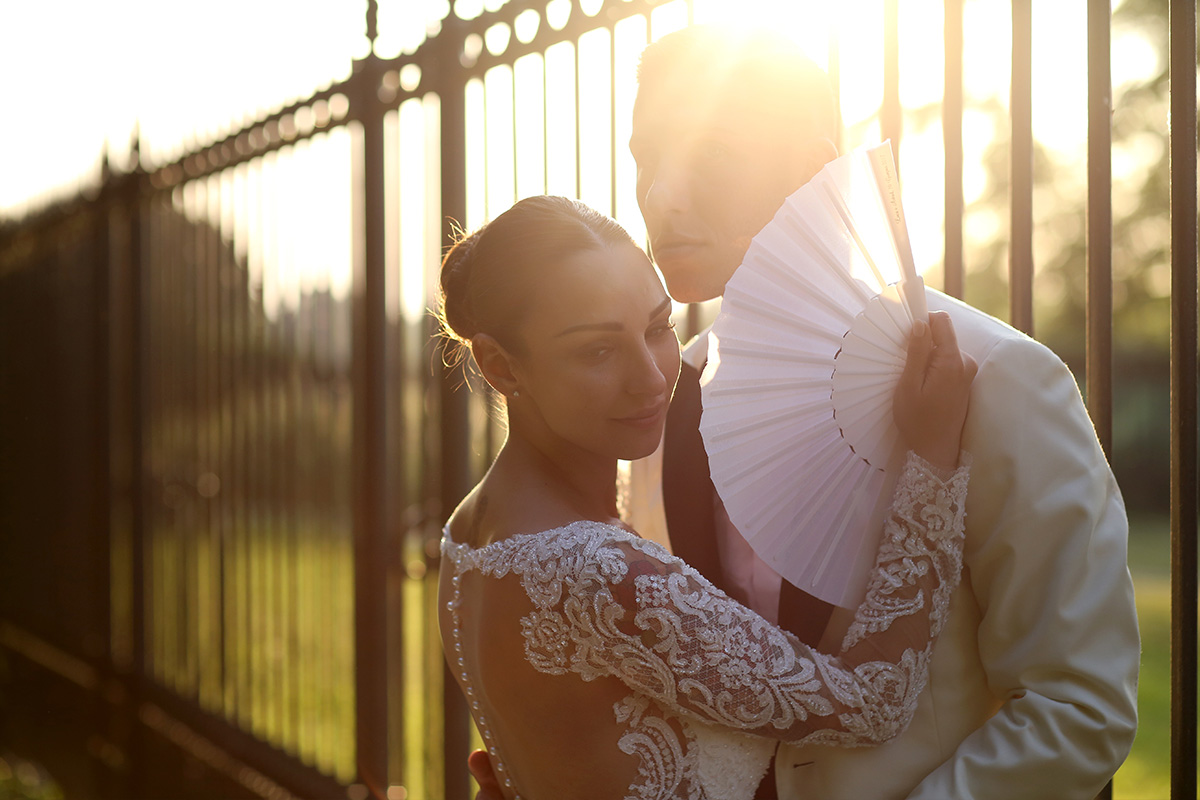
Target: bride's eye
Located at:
point(595, 351)
point(661, 329)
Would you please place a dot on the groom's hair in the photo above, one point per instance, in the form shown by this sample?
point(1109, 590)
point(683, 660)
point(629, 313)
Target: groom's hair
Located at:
point(709, 62)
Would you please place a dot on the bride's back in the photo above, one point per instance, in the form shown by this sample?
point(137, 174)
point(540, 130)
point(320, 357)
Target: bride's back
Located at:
point(557, 733)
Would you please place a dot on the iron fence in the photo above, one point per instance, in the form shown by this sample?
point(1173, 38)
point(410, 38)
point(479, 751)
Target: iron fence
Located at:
point(231, 445)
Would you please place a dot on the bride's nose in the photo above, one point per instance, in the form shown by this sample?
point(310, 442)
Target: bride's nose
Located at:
point(646, 375)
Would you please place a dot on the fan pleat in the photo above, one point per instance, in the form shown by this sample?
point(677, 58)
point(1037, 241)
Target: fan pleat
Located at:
point(779, 316)
point(803, 232)
point(749, 352)
point(782, 272)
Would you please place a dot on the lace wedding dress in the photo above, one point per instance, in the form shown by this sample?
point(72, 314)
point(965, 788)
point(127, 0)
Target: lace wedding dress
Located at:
point(684, 692)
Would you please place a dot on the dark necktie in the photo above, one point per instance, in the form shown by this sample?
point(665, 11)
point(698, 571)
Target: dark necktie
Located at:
point(688, 493)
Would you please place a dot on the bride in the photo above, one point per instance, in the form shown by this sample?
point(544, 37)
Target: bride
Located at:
point(595, 663)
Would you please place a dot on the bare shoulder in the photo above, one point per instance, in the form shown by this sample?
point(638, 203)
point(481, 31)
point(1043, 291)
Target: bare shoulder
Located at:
point(500, 506)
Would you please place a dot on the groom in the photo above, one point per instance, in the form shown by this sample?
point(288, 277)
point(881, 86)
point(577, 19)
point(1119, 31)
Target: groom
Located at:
point(1032, 689)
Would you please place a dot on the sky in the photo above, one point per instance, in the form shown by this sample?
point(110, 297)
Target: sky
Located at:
point(79, 73)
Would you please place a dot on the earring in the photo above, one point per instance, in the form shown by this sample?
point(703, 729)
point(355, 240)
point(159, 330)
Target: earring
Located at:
point(516, 393)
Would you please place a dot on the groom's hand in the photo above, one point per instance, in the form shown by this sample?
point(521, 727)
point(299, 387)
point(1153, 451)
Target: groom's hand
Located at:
point(481, 769)
point(933, 392)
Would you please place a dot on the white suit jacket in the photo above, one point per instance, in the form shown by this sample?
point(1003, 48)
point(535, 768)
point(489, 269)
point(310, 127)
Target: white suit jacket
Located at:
point(1033, 683)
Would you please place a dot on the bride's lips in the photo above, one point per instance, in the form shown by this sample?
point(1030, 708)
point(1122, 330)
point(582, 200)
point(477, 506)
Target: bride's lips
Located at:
point(646, 418)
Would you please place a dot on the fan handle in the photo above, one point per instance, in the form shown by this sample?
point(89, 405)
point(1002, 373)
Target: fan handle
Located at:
point(912, 288)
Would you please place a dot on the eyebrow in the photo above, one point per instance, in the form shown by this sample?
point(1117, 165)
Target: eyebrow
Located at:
point(611, 326)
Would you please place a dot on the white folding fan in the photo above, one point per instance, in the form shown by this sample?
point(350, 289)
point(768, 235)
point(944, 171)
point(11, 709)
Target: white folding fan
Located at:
point(803, 362)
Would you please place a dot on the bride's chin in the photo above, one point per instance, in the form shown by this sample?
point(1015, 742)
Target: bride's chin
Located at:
point(635, 453)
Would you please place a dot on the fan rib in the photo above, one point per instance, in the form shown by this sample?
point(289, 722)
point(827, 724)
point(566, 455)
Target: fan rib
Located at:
point(839, 207)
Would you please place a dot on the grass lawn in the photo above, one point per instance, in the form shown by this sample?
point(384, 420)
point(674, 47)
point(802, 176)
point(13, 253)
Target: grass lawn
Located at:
point(1146, 775)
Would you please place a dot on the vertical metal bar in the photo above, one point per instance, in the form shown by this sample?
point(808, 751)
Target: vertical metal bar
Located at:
point(159, 432)
point(213, 664)
point(890, 115)
point(516, 134)
point(545, 124)
point(612, 119)
point(105, 308)
point(209, 643)
point(240, 353)
point(834, 71)
point(216, 443)
point(370, 427)
point(455, 475)
point(189, 553)
point(180, 408)
point(576, 100)
point(1099, 233)
point(695, 322)
point(275, 422)
point(1099, 223)
point(1183, 400)
point(138, 228)
point(397, 441)
point(264, 487)
point(200, 553)
point(1021, 184)
point(139, 248)
point(273, 518)
point(298, 448)
point(952, 136)
point(228, 304)
point(285, 388)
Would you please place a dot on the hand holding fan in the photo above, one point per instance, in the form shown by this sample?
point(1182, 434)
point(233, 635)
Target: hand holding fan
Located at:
point(803, 362)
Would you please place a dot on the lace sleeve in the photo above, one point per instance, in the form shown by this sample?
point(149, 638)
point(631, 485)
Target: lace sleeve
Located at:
point(640, 615)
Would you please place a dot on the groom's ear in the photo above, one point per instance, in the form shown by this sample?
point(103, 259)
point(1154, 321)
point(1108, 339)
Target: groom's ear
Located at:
point(495, 363)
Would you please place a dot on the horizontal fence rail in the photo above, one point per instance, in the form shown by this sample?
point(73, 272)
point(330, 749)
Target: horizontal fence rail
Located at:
point(234, 439)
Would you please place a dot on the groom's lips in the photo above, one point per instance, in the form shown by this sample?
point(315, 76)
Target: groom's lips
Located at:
point(674, 246)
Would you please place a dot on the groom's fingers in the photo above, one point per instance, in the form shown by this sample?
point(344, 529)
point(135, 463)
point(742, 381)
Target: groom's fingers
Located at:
point(970, 365)
point(943, 330)
point(948, 362)
point(481, 769)
point(920, 347)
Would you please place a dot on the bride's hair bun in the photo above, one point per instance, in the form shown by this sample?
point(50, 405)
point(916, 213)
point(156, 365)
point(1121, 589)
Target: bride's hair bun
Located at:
point(454, 299)
point(489, 277)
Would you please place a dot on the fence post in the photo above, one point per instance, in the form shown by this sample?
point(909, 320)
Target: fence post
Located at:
point(455, 478)
point(138, 408)
point(370, 444)
point(952, 135)
point(1021, 184)
point(1183, 400)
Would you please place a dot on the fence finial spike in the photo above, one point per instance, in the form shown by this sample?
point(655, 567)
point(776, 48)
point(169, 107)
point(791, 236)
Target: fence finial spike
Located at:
point(372, 20)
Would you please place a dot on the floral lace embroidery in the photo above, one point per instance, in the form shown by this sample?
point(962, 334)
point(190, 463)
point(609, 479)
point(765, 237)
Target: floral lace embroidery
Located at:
point(607, 603)
point(901, 562)
point(662, 761)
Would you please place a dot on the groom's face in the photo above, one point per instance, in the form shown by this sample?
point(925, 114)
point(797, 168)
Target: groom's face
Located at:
point(713, 167)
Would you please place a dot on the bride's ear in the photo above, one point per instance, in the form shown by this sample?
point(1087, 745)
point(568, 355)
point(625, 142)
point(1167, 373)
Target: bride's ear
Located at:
point(495, 363)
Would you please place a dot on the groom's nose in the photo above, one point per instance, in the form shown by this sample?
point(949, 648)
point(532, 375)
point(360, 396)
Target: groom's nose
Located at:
point(667, 191)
